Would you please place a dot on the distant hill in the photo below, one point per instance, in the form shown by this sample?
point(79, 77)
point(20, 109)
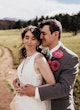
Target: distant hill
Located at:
point(10, 19)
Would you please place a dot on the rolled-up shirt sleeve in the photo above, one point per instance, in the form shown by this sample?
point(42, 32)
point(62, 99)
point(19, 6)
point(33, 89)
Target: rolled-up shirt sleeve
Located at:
point(37, 96)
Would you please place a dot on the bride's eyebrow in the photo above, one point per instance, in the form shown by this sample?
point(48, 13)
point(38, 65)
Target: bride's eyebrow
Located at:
point(26, 36)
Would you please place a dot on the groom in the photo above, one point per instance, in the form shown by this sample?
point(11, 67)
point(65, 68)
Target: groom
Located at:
point(60, 94)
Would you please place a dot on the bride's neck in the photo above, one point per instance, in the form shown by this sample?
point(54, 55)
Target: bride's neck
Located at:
point(30, 53)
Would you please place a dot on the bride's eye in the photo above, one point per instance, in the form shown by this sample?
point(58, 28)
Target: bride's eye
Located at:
point(26, 37)
point(33, 38)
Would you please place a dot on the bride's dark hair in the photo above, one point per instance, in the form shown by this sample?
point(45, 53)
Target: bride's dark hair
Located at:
point(36, 32)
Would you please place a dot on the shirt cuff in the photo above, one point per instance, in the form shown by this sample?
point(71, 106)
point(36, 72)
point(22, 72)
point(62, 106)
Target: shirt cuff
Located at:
point(37, 96)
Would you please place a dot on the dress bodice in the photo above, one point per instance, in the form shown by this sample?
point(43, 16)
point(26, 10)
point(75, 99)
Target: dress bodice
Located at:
point(26, 71)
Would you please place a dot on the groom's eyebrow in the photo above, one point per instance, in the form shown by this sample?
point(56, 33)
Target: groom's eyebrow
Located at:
point(43, 33)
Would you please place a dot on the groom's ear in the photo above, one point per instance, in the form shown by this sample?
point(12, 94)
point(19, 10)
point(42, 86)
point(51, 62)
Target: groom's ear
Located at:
point(55, 34)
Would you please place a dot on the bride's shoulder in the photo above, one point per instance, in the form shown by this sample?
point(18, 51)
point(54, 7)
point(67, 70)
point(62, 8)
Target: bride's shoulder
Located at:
point(39, 55)
point(39, 58)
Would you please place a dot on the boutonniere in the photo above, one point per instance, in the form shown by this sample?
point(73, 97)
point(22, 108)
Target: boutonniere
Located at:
point(57, 54)
point(53, 62)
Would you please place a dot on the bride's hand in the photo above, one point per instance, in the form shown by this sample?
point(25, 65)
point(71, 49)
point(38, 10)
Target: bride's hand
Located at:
point(20, 91)
point(27, 90)
point(16, 83)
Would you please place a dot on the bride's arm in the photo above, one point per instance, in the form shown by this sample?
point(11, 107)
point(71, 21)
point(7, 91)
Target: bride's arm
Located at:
point(43, 68)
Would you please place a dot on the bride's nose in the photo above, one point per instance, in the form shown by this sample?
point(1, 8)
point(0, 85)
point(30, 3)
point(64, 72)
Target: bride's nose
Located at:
point(29, 41)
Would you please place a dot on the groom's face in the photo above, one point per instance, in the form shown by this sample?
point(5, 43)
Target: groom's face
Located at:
point(46, 36)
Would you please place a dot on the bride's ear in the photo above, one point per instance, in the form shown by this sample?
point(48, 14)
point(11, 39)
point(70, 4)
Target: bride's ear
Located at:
point(38, 43)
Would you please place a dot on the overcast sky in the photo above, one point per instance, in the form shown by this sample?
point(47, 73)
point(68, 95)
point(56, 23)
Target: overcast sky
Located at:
point(29, 9)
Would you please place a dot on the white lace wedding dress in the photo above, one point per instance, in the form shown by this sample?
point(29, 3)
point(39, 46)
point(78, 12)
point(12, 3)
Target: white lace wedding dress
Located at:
point(28, 75)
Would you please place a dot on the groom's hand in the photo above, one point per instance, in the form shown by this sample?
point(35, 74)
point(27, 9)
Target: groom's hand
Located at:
point(29, 90)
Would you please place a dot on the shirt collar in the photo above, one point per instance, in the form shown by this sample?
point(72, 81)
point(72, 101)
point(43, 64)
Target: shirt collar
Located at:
point(55, 48)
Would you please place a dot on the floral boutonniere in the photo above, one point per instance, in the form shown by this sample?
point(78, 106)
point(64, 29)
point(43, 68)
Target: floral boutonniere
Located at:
point(53, 62)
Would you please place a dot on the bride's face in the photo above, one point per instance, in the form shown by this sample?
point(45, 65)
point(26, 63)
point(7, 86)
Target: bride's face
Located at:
point(30, 41)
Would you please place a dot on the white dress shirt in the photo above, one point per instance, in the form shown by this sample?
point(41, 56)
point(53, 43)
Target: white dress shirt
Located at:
point(37, 96)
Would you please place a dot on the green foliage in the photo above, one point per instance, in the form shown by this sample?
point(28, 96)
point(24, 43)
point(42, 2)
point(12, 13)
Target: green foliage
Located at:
point(9, 86)
point(77, 94)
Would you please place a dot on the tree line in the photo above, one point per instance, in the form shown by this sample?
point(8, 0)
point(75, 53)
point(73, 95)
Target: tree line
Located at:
point(70, 23)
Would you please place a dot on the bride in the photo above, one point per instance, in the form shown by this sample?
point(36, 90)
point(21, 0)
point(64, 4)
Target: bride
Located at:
point(32, 70)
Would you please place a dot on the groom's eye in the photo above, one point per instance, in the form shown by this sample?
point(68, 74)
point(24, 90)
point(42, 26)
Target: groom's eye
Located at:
point(43, 33)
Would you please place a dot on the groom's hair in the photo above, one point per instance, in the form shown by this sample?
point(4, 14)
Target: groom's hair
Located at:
point(54, 25)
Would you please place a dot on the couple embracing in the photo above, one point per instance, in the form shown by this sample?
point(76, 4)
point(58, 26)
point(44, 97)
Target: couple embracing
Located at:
point(45, 80)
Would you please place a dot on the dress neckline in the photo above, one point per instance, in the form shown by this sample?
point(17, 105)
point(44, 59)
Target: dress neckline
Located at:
point(31, 55)
point(27, 59)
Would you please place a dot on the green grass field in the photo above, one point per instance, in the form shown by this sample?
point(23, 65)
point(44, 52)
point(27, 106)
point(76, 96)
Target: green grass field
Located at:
point(72, 42)
point(12, 40)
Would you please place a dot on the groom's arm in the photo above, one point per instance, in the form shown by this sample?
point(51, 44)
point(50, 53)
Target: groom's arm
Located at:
point(66, 82)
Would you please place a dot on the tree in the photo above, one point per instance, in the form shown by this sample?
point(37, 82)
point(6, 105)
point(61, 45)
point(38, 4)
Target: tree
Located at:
point(74, 24)
point(17, 25)
point(35, 21)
